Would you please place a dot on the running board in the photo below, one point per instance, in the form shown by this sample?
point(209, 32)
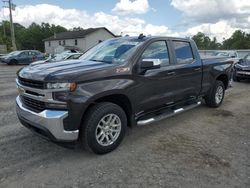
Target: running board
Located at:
point(167, 115)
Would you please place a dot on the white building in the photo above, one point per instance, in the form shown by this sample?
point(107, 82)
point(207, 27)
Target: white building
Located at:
point(79, 40)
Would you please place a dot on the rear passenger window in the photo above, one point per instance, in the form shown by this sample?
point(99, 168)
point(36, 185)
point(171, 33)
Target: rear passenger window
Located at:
point(183, 52)
point(157, 50)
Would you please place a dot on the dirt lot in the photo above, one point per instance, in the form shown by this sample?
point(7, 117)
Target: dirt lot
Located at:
point(203, 147)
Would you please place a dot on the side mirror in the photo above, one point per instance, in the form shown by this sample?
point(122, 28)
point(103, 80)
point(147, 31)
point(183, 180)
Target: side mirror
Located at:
point(147, 64)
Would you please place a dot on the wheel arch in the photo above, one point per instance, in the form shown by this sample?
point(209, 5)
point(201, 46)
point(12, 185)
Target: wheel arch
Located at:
point(13, 61)
point(224, 78)
point(119, 99)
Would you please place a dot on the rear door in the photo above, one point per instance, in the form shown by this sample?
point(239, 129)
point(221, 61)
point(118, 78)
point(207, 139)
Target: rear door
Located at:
point(188, 70)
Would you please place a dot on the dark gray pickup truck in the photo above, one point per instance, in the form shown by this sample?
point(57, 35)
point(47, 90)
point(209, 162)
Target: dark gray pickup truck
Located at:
point(119, 83)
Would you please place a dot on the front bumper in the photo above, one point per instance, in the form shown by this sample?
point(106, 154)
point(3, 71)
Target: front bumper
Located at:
point(3, 61)
point(243, 74)
point(48, 123)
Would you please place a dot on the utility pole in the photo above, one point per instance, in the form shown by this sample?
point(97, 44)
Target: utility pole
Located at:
point(11, 7)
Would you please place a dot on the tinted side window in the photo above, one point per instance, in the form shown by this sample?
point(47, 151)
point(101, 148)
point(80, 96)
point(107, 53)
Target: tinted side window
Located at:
point(32, 53)
point(183, 52)
point(24, 54)
point(157, 50)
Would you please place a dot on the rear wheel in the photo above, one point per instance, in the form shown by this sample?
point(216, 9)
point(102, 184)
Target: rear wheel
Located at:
point(216, 95)
point(104, 128)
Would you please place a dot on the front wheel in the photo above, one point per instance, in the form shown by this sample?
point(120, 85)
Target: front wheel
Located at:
point(104, 128)
point(13, 62)
point(216, 95)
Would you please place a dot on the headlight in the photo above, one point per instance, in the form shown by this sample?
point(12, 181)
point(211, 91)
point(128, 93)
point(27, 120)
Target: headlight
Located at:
point(58, 85)
point(237, 67)
point(66, 86)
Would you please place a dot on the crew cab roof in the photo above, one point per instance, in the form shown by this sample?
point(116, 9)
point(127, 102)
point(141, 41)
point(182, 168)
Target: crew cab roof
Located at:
point(144, 38)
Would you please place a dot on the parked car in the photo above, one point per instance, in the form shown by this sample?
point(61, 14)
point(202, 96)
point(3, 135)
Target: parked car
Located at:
point(22, 57)
point(242, 69)
point(227, 53)
point(63, 55)
point(67, 56)
point(231, 54)
point(120, 82)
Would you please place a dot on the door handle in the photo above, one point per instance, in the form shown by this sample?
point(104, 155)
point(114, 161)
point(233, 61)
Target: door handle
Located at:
point(197, 69)
point(171, 73)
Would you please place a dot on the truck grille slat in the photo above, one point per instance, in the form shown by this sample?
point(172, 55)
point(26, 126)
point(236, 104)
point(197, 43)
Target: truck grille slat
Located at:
point(31, 83)
point(34, 105)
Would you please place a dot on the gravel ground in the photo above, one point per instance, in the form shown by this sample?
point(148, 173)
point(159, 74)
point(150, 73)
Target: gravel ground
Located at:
point(203, 147)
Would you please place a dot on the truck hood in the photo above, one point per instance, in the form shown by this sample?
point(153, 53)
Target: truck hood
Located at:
point(68, 70)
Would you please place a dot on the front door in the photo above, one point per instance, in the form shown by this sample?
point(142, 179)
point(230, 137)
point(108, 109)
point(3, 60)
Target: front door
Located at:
point(23, 57)
point(156, 86)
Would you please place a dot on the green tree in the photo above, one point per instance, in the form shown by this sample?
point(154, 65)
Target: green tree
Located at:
point(203, 42)
point(28, 38)
point(77, 29)
point(238, 40)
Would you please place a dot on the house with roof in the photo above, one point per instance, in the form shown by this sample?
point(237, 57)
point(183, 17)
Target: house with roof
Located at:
point(81, 40)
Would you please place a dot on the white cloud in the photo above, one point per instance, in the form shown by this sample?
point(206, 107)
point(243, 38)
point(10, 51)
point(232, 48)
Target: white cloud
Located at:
point(235, 12)
point(131, 7)
point(211, 11)
point(70, 18)
point(219, 18)
point(219, 30)
point(203, 16)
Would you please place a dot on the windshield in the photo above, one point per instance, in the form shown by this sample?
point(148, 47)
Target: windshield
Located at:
point(113, 51)
point(246, 60)
point(13, 53)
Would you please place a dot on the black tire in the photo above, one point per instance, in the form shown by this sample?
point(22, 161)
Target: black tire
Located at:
point(210, 99)
point(13, 62)
point(88, 134)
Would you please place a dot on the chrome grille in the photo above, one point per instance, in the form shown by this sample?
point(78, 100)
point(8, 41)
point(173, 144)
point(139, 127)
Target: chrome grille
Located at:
point(31, 83)
point(34, 105)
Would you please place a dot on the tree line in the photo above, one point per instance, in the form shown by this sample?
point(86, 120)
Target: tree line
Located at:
point(28, 38)
point(32, 37)
point(238, 40)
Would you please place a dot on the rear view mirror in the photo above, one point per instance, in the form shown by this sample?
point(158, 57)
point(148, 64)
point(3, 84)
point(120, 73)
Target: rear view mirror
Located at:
point(147, 64)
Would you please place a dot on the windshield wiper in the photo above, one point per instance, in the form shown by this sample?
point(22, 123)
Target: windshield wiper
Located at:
point(100, 61)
